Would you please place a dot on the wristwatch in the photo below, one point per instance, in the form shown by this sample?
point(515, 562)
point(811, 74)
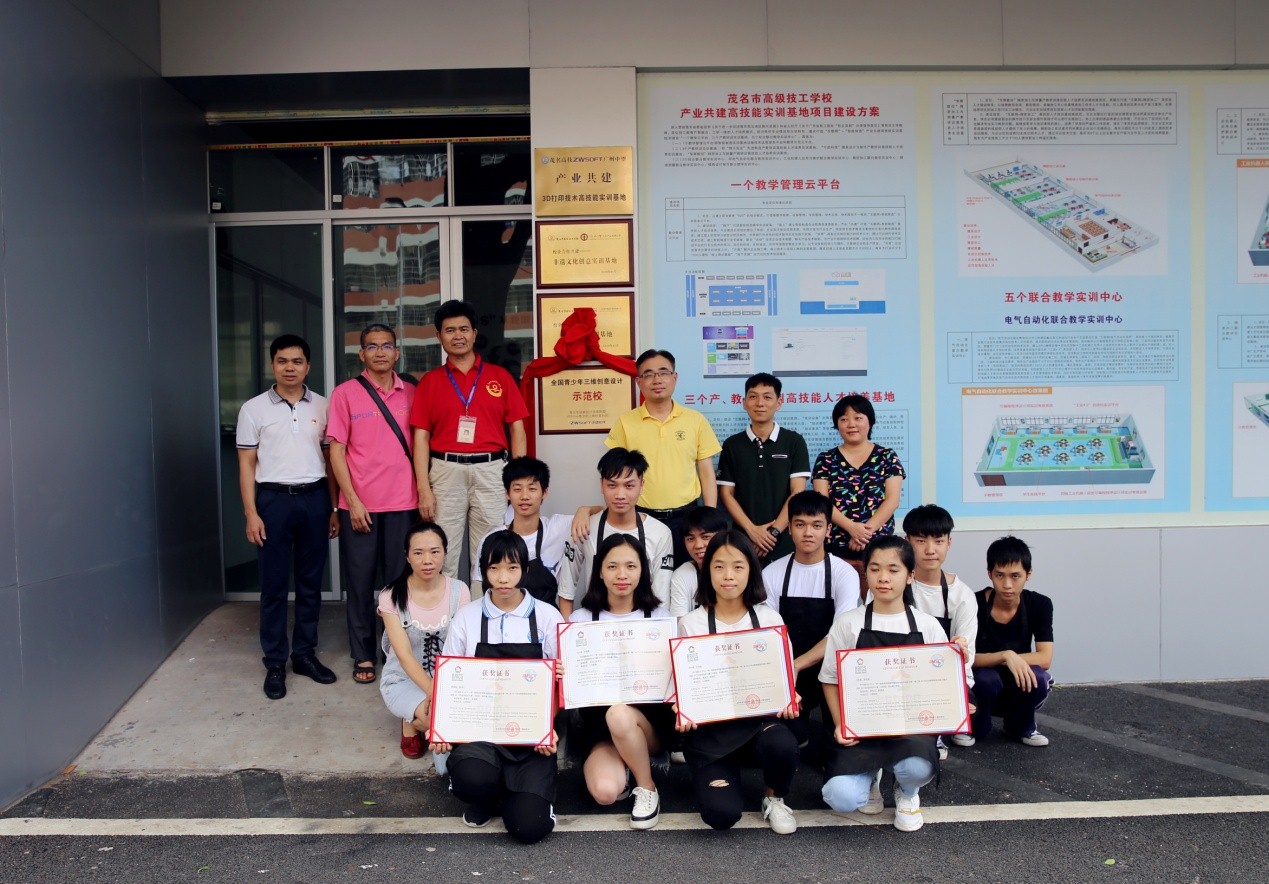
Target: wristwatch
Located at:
point(774, 531)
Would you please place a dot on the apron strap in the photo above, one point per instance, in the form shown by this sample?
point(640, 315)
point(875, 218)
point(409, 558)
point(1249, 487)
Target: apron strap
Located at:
point(907, 609)
point(533, 624)
point(947, 610)
point(713, 623)
point(828, 579)
point(537, 549)
point(484, 625)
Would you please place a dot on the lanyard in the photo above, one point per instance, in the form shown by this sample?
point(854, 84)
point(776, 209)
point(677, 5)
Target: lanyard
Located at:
point(466, 400)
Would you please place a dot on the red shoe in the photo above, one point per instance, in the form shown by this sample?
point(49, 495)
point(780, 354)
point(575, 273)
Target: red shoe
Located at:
point(412, 747)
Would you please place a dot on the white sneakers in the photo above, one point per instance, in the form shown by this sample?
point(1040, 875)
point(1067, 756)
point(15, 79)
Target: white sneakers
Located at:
point(963, 740)
point(907, 812)
point(647, 808)
point(876, 804)
point(778, 816)
point(1035, 738)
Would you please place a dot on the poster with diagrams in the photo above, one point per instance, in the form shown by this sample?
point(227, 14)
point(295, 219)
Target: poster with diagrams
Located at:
point(1062, 300)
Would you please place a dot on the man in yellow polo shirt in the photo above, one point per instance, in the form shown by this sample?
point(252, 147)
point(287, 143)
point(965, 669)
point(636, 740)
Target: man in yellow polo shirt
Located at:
point(678, 442)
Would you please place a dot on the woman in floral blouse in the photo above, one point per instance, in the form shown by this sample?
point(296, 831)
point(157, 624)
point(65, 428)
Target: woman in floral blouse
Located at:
point(862, 479)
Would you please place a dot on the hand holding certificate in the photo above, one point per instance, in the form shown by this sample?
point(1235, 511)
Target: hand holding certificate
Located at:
point(508, 702)
point(615, 661)
point(732, 675)
point(916, 689)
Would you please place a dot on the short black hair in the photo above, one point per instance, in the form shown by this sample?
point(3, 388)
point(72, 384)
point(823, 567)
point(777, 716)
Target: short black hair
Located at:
point(452, 310)
point(502, 546)
point(377, 327)
point(880, 542)
point(526, 468)
point(928, 520)
point(706, 519)
point(810, 503)
point(855, 403)
point(652, 354)
point(401, 587)
point(596, 598)
point(764, 379)
point(285, 342)
point(754, 593)
point(1008, 550)
point(616, 461)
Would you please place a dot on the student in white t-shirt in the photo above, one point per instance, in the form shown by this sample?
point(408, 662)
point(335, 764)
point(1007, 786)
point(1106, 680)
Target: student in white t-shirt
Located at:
point(527, 481)
point(699, 527)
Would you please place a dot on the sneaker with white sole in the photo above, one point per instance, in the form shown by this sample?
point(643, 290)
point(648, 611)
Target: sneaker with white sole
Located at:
point(876, 804)
point(647, 808)
point(942, 749)
point(477, 816)
point(778, 816)
point(963, 740)
point(907, 812)
point(1035, 738)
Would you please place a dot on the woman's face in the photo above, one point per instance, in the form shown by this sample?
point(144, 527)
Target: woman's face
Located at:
point(503, 578)
point(426, 554)
point(729, 573)
point(887, 576)
point(853, 426)
point(620, 571)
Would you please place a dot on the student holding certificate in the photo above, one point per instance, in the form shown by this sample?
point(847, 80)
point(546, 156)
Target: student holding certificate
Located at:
point(617, 741)
point(417, 609)
point(731, 597)
point(506, 623)
point(852, 772)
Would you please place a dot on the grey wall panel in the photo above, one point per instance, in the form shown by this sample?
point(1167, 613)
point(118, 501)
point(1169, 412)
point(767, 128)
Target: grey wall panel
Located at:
point(185, 430)
point(75, 282)
point(134, 23)
point(8, 540)
point(15, 777)
point(95, 639)
point(1212, 615)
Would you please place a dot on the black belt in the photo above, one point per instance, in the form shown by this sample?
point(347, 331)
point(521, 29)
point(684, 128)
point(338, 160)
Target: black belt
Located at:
point(667, 514)
point(488, 457)
point(293, 489)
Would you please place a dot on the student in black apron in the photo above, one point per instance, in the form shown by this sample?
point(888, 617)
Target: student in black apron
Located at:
point(527, 481)
point(507, 623)
point(731, 597)
point(853, 769)
point(618, 741)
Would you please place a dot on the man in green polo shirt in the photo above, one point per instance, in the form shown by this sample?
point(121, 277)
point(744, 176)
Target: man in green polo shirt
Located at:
point(761, 468)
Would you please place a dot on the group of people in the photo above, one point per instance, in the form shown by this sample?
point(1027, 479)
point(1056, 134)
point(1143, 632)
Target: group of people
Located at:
point(824, 562)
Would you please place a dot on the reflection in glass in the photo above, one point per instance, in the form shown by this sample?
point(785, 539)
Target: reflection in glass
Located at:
point(498, 283)
point(390, 274)
point(491, 173)
point(414, 179)
point(282, 180)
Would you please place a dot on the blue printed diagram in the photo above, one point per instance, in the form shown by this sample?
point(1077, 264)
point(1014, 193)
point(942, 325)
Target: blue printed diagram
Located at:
point(1093, 234)
point(1079, 450)
point(731, 294)
point(1259, 250)
point(1259, 406)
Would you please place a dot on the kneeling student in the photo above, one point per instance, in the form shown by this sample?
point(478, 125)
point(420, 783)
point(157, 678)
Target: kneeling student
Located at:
point(731, 600)
point(852, 773)
point(619, 740)
point(506, 623)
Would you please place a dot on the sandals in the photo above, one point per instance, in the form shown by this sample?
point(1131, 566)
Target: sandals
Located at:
point(412, 747)
point(364, 673)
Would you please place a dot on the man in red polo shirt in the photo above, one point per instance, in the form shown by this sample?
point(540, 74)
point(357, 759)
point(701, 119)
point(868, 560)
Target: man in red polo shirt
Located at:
point(369, 434)
point(467, 413)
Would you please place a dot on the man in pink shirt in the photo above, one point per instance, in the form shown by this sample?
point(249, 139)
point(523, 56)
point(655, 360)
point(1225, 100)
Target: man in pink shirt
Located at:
point(371, 457)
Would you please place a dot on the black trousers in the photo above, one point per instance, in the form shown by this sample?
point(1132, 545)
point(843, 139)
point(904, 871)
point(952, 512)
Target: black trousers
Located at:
point(360, 558)
point(774, 750)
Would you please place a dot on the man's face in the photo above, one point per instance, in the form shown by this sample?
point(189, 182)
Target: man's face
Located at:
point(290, 368)
point(526, 496)
point(1008, 580)
point(697, 541)
point(808, 533)
point(457, 336)
point(378, 352)
point(761, 404)
point(621, 493)
point(656, 379)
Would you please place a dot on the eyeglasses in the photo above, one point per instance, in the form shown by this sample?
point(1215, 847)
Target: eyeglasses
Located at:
point(375, 348)
point(661, 375)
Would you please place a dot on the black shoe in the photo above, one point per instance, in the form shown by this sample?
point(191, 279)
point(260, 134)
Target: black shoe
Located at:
point(477, 816)
point(312, 667)
point(275, 683)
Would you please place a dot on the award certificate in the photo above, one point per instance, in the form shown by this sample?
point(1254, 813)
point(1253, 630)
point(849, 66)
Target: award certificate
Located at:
point(889, 692)
point(615, 661)
point(479, 700)
point(732, 675)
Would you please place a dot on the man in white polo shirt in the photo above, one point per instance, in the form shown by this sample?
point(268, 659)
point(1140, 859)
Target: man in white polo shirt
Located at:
point(289, 501)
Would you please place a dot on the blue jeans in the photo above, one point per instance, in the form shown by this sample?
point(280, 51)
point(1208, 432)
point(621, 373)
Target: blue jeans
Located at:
point(849, 792)
point(996, 693)
point(297, 528)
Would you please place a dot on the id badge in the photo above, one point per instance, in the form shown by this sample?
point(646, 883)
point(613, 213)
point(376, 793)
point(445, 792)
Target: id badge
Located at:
point(467, 429)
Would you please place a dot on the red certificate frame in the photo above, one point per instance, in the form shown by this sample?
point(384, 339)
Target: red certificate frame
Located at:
point(513, 739)
point(963, 727)
point(780, 630)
